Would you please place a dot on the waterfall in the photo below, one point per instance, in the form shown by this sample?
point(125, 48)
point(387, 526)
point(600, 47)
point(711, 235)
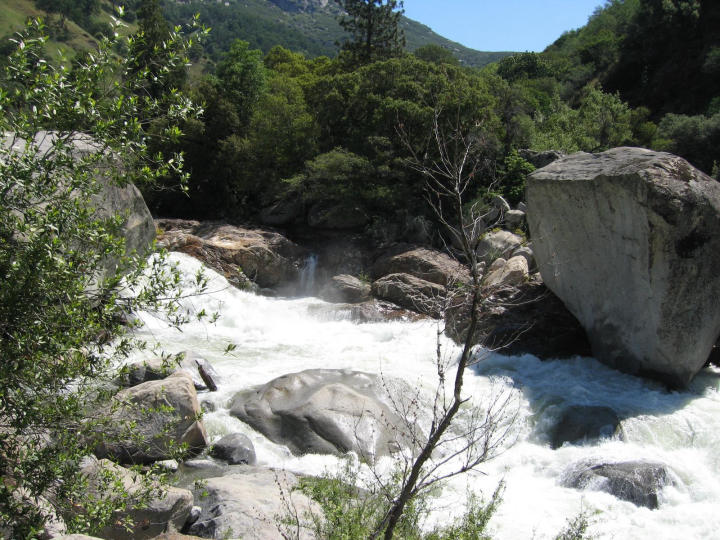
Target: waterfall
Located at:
point(681, 430)
point(307, 275)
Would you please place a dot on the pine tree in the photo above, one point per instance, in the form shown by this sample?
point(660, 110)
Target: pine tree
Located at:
point(373, 28)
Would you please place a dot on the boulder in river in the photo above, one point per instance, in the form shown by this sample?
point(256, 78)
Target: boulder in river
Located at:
point(324, 411)
point(638, 482)
point(411, 292)
point(581, 423)
point(346, 289)
point(235, 449)
point(629, 239)
point(421, 262)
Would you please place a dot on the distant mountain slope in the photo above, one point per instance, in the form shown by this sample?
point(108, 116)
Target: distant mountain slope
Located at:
point(307, 26)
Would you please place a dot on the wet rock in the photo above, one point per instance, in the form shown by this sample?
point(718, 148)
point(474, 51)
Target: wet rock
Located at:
point(165, 413)
point(628, 240)
point(235, 449)
point(411, 293)
point(346, 289)
point(324, 411)
point(638, 482)
point(582, 423)
point(242, 255)
point(250, 504)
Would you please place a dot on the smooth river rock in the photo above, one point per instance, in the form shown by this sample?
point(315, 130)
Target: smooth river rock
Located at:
point(324, 411)
point(629, 240)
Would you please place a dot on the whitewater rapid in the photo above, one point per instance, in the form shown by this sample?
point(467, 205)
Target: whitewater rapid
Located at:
point(272, 337)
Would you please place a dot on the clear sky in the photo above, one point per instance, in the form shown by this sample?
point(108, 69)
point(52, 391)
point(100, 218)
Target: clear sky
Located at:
point(502, 25)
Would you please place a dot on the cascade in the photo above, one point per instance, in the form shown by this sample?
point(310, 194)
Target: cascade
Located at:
point(307, 275)
point(681, 430)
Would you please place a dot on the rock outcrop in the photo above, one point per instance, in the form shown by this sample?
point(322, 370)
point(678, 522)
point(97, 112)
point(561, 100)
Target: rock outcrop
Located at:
point(638, 482)
point(628, 239)
point(324, 411)
point(264, 257)
point(165, 414)
point(252, 504)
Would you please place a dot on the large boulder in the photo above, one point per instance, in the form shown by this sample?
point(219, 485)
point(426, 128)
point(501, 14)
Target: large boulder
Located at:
point(265, 257)
point(628, 239)
point(412, 293)
point(234, 448)
point(324, 411)
point(254, 504)
point(639, 482)
point(167, 510)
point(162, 415)
point(424, 263)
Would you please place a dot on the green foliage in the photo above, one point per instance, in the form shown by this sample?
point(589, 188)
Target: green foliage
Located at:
point(436, 54)
point(69, 283)
point(577, 528)
point(512, 177)
point(523, 66)
point(241, 75)
point(696, 138)
point(352, 513)
point(374, 30)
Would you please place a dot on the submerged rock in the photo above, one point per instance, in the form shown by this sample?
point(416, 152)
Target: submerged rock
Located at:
point(638, 482)
point(628, 239)
point(324, 411)
point(581, 423)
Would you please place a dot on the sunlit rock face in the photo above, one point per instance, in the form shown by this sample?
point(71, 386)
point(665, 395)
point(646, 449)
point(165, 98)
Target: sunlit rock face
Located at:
point(628, 239)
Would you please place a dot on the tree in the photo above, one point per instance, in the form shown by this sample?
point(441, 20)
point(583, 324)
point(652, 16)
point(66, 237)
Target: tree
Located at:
point(374, 29)
point(76, 10)
point(69, 285)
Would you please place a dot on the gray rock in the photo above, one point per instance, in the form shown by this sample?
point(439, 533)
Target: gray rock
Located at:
point(166, 413)
point(155, 369)
point(346, 289)
point(424, 263)
point(234, 448)
point(522, 207)
point(332, 215)
point(512, 272)
point(251, 505)
point(169, 510)
point(527, 253)
point(514, 219)
point(628, 239)
point(498, 244)
point(207, 373)
point(324, 411)
point(638, 482)
point(580, 423)
point(411, 293)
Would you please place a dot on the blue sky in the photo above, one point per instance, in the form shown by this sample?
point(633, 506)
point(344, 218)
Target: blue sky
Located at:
point(502, 25)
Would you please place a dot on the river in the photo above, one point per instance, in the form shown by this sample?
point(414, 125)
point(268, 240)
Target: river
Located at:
point(273, 337)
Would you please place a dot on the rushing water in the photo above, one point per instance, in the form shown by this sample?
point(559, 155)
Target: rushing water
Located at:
point(680, 429)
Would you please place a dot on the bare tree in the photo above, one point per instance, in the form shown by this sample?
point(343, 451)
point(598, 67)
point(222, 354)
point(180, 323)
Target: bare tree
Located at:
point(450, 176)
